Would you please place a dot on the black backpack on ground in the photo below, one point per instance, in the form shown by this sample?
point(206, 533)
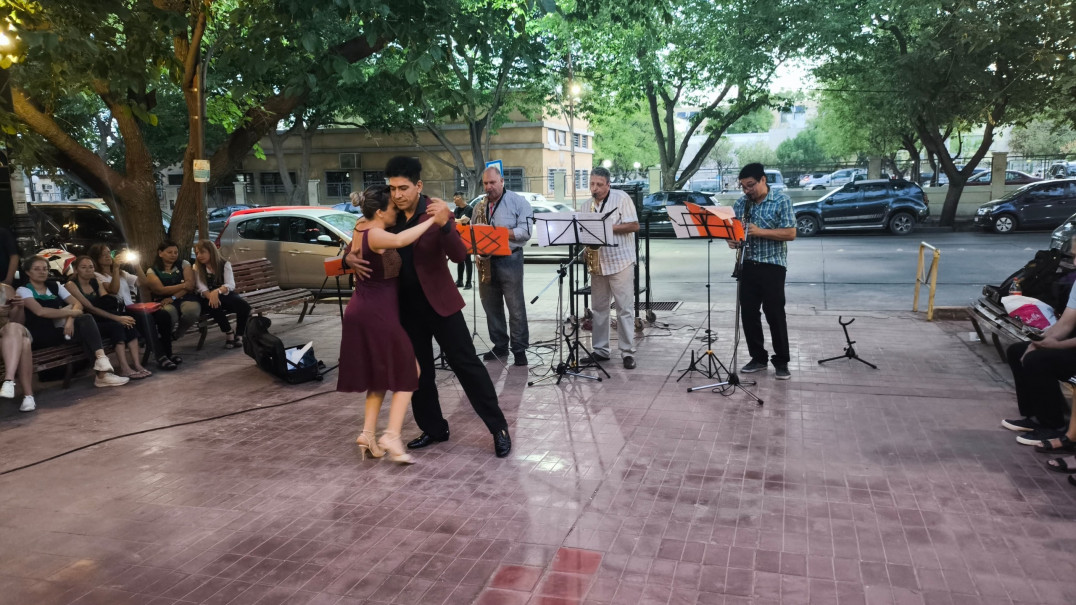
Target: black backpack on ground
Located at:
point(271, 355)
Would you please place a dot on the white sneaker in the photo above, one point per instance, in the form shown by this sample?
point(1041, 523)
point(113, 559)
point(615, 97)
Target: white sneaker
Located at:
point(28, 404)
point(110, 380)
point(7, 390)
point(102, 364)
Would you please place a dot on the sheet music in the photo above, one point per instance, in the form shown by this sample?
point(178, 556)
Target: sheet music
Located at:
point(557, 228)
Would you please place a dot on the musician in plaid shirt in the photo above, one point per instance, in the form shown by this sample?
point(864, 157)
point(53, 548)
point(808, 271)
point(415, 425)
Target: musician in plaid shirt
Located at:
point(770, 224)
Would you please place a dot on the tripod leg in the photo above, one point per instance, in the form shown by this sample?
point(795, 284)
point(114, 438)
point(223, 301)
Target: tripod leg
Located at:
point(845, 356)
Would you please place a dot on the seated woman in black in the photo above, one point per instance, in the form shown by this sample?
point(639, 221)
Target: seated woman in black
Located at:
point(216, 284)
point(53, 317)
point(118, 328)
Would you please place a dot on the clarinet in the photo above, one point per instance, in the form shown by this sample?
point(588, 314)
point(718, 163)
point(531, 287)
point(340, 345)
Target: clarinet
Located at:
point(743, 245)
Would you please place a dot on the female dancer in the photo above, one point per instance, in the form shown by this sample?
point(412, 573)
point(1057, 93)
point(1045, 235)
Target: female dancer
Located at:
point(120, 329)
point(216, 285)
point(375, 352)
point(155, 326)
point(53, 316)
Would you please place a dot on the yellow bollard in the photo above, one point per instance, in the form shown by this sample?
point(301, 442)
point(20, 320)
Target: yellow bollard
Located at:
point(932, 275)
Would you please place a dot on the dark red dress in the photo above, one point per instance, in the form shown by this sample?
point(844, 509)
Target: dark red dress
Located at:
point(375, 352)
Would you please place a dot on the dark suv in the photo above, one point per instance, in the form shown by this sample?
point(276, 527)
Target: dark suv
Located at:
point(1044, 205)
point(896, 205)
point(654, 208)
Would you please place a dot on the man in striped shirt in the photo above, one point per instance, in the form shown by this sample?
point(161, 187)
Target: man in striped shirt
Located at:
point(616, 277)
point(770, 224)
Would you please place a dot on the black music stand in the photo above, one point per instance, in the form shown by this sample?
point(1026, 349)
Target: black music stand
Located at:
point(575, 229)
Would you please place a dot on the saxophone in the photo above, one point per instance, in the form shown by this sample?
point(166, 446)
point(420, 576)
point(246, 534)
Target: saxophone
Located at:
point(482, 263)
point(592, 254)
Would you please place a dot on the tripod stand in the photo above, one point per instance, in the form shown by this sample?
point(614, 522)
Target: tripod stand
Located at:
point(494, 241)
point(732, 381)
point(849, 351)
point(713, 365)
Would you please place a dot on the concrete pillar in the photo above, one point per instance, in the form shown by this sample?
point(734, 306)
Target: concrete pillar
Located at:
point(874, 167)
point(240, 192)
point(999, 160)
point(558, 187)
point(313, 192)
point(654, 174)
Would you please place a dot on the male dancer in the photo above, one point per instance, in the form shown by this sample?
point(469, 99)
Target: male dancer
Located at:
point(431, 308)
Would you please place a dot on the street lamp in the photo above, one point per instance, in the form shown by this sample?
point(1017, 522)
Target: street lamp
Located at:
point(637, 166)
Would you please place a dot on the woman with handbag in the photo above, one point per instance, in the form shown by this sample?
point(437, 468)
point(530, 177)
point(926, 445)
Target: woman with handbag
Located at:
point(112, 324)
point(216, 284)
point(153, 321)
point(171, 281)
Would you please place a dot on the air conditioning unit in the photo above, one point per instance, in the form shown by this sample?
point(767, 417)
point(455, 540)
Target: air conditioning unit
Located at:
point(349, 160)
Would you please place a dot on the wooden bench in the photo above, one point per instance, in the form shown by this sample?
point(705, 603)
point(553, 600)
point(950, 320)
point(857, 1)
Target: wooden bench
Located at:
point(65, 356)
point(256, 282)
point(994, 326)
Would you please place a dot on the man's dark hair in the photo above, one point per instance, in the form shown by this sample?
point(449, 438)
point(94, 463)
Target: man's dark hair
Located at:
point(753, 170)
point(409, 168)
point(602, 172)
point(459, 193)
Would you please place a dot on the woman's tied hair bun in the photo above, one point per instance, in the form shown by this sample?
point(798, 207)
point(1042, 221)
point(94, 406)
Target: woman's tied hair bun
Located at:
point(356, 198)
point(374, 198)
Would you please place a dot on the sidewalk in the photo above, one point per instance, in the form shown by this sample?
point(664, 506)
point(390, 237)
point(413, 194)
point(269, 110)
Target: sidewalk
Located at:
point(850, 485)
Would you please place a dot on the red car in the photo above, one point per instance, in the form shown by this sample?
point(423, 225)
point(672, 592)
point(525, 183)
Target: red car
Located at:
point(1012, 177)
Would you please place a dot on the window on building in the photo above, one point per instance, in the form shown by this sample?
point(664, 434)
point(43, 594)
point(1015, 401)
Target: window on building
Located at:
point(575, 139)
point(338, 183)
point(372, 177)
point(175, 179)
point(582, 179)
point(271, 182)
point(554, 174)
point(562, 137)
point(551, 135)
point(513, 179)
point(583, 141)
point(245, 177)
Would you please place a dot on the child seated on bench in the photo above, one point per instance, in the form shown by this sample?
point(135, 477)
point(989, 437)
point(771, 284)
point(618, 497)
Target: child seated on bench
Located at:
point(216, 285)
point(54, 317)
point(15, 347)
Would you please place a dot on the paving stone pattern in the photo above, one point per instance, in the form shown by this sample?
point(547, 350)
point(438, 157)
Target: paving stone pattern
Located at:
point(849, 486)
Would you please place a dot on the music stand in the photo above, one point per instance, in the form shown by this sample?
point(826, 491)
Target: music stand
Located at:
point(737, 233)
point(334, 267)
point(693, 222)
point(571, 229)
point(486, 240)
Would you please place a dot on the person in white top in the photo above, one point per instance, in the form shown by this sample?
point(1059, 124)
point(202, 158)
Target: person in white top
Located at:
point(15, 347)
point(616, 275)
point(216, 286)
point(53, 317)
point(155, 325)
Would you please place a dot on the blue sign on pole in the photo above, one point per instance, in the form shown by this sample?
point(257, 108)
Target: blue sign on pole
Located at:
point(496, 164)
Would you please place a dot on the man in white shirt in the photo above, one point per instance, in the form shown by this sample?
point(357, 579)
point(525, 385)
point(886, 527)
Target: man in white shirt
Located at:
point(616, 277)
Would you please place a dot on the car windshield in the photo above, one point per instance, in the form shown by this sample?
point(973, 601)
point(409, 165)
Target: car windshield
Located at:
point(1014, 194)
point(830, 194)
point(342, 222)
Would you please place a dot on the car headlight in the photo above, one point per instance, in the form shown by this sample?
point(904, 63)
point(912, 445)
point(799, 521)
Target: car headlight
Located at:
point(982, 211)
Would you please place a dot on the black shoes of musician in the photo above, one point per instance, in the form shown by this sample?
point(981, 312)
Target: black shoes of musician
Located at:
point(502, 443)
point(753, 366)
point(521, 359)
point(424, 440)
point(459, 284)
point(782, 372)
point(629, 362)
point(593, 358)
point(494, 355)
point(467, 286)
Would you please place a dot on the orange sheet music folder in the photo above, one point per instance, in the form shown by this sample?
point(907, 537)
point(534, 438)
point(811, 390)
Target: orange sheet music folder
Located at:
point(486, 240)
point(710, 224)
point(334, 267)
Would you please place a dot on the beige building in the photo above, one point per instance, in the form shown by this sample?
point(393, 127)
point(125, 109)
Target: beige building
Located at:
point(536, 157)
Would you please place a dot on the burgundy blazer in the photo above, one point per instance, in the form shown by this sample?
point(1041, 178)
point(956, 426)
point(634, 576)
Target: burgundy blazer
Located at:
point(433, 273)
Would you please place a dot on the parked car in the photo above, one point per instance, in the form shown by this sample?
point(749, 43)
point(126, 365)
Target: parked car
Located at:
point(1042, 205)
point(532, 251)
point(296, 239)
point(1061, 238)
point(219, 216)
point(1062, 170)
point(775, 181)
point(706, 185)
point(807, 181)
point(348, 207)
point(1012, 177)
point(836, 178)
point(74, 226)
point(654, 209)
point(896, 205)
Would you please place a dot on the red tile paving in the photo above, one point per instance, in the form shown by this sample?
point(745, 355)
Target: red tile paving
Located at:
point(849, 486)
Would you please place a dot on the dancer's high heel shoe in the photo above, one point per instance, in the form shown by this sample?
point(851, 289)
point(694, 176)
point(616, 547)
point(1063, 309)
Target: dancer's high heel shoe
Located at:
point(391, 443)
point(368, 443)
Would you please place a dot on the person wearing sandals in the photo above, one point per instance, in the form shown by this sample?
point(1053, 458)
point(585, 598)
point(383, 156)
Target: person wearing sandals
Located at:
point(171, 282)
point(155, 326)
point(53, 316)
point(216, 286)
point(15, 348)
point(375, 353)
point(116, 327)
point(1037, 367)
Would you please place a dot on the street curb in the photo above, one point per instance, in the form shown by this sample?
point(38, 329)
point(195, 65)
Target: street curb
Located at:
point(951, 313)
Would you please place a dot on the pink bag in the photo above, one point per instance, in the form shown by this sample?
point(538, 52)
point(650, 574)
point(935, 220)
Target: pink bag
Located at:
point(1031, 311)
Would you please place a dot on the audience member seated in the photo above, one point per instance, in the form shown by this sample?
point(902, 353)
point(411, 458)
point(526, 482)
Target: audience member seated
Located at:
point(1037, 368)
point(113, 325)
point(216, 285)
point(15, 348)
point(171, 281)
point(155, 326)
point(53, 317)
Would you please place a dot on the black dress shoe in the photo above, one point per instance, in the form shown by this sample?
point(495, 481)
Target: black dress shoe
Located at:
point(493, 355)
point(459, 284)
point(593, 358)
point(502, 443)
point(521, 359)
point(425, 439)
point(468, 286)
